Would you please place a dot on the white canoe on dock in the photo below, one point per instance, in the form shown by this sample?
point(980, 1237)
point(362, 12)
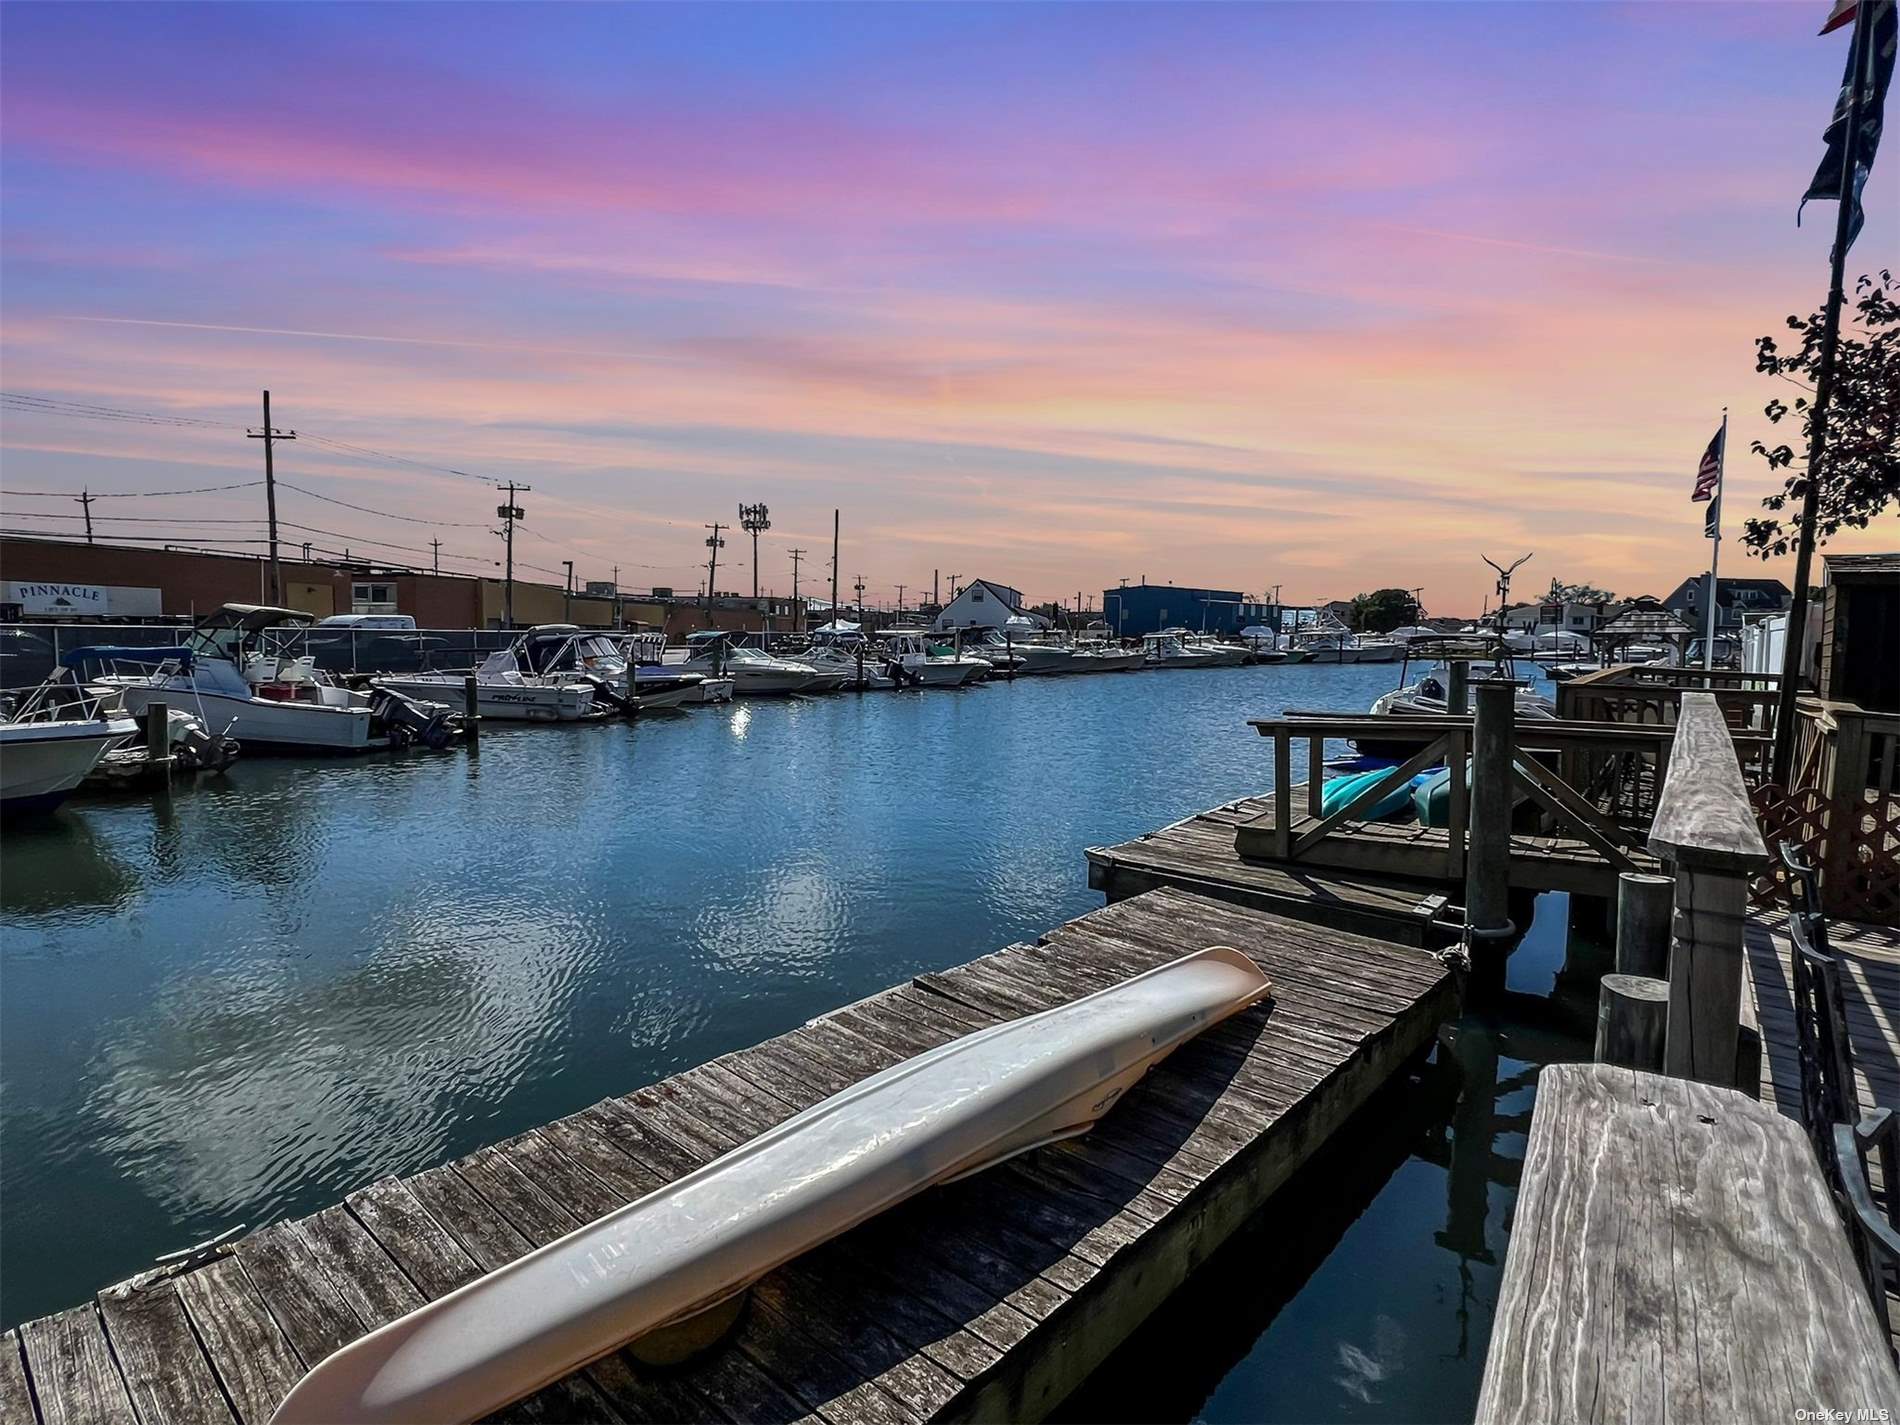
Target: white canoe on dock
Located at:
point(689, 1249)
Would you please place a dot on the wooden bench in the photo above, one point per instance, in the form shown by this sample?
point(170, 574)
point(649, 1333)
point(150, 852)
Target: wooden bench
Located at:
point(1676, 1257)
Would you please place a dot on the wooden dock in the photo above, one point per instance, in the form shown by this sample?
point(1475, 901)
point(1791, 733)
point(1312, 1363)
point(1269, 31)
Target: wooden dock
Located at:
point(1869, 957)
point(1407, 850)
point(1197, 854)
point(989, 1298)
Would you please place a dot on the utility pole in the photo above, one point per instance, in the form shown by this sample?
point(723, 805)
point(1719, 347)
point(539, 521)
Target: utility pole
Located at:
point(859, 586)
point(85, 503)
point(900, 599)
point(798, 611)
point(935, 592)
point(270, 437)
point(954, 591)
point(617, 619)
point(834, 564)
point(752, 519)
point(715, 542)
point(509, 513)
point(435, 556)
point(567, 595)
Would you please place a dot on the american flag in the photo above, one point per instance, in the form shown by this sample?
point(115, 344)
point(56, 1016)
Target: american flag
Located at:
point(1708, 475)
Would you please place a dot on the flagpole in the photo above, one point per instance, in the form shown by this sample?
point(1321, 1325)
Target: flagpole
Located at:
point(1715, 551)
point(1795, 645)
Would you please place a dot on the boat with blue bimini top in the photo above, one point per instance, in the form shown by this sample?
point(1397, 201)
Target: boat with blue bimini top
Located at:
point(666, 1275)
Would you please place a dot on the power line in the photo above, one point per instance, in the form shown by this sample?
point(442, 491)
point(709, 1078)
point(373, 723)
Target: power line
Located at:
point(126, 494)
point(384, 514)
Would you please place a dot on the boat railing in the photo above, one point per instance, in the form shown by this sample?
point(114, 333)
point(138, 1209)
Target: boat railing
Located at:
point(67, 700)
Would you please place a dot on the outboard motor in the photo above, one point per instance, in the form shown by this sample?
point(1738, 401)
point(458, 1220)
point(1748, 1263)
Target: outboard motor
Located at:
point(604, 690)
point(405, 720)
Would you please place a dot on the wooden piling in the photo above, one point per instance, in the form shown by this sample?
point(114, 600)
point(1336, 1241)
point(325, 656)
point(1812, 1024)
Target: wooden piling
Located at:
point(158, 733)
point(471, 709)
point(1706, 826)
point(1642, 925)
point(1632, 1018)
point(1488, 848)
point(1458, 693)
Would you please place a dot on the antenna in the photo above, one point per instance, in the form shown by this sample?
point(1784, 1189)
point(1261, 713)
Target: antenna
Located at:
point(752, 519)
point(1504, 580)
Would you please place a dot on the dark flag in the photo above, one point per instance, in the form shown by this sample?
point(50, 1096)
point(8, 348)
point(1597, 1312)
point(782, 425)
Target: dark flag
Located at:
point(1826, 183)
point(1708, 480)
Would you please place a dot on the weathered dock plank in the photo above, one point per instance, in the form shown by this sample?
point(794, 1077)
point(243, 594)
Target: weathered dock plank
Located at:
point(1869, 957)
point(990, 1297)
point(1197, 854)
point(1675, 1256)
point(16, 1400)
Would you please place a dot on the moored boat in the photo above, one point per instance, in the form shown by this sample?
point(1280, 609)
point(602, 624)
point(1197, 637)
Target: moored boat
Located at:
point(52, 740)
point(687, 1250)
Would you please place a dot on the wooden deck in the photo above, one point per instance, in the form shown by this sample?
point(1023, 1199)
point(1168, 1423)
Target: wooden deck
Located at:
point(1417, 853)
point(989, 1298)
point(1197, 854)
point(1870, 985)
point(1676, 1256)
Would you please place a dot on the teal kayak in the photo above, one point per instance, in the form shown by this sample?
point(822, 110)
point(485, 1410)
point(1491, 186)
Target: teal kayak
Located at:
point(1431, 799)
point(1341, 790)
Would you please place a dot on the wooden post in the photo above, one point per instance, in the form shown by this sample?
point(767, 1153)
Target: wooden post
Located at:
point(471, 709)
point(1458, 693)
point(1642, 926)
point(1488, 850)
point(1458, 799)
point(158, 737)
point(1315, 777)
point(1283, 795)
point(1632, 1017)
point(1706, 827)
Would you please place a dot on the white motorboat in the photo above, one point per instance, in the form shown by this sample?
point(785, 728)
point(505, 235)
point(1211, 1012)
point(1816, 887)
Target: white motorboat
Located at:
point(1327, 647)
point(231, 673)
point(914, 661)
point(1220, 654)
point(1105, 657)
point(1167, 650)
point(754, 674)
point(1377, 650)
point(689, 1249)
point(509, 687)
point(53, 739)
point(1010, 654)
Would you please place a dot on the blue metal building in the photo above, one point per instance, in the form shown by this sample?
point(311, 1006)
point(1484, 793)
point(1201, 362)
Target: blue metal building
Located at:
point(1136, 609)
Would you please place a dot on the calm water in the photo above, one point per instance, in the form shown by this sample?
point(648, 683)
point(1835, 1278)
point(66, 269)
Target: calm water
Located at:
point(247, 1001)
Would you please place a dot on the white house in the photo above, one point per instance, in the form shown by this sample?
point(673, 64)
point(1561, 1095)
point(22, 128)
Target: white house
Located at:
point(983, 604)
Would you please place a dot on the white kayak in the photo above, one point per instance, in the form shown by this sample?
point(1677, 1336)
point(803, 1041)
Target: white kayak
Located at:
point(691, 1247)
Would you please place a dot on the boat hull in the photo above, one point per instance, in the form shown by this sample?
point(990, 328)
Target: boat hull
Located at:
point(503, 702)
point(42, 763)
point(689, 1247)
point(261, 722)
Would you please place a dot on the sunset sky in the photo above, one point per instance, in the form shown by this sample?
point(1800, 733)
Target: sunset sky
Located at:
point(1330, 297)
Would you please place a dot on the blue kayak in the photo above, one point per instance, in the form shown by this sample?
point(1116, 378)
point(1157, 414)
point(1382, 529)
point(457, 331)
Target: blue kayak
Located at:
point(1341, 790)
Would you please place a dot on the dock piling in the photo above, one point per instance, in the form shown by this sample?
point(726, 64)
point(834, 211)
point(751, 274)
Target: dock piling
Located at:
point(1642, 926)
point(1488, 849)
point(1632, 1017)
point(158, 739)
point(1458, 693)
point(471, 714)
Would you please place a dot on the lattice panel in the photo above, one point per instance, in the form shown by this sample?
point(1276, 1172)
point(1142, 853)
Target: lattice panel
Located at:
point(1856, 848)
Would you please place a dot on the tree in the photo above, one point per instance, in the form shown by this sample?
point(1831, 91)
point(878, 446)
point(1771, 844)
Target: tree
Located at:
point(1561, 593)
point(1381, 611)
point(1861, 471)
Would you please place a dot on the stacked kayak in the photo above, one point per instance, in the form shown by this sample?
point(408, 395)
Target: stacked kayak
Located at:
point(1341, 790)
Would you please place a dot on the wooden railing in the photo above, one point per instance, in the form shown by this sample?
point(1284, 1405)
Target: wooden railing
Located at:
point(1610, 815)
point(1642, 693)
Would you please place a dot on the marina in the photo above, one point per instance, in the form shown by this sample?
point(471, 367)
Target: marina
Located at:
point(933, 713)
